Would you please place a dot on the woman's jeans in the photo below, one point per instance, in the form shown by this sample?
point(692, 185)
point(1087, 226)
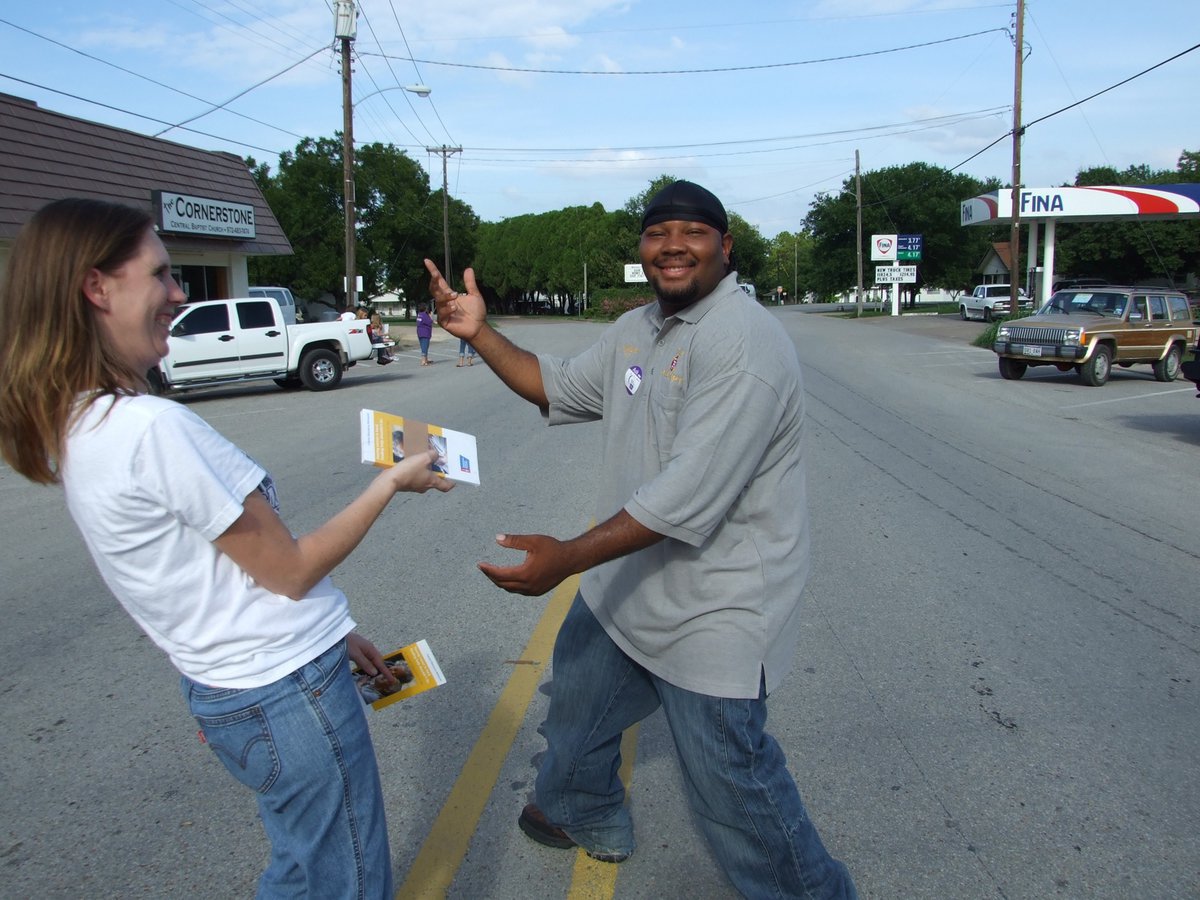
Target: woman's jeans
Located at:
point(424, 342)
point(737, 782)
point(303, 746)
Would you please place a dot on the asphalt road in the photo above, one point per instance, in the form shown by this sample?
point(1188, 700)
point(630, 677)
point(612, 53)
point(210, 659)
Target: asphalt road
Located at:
point(995, 694)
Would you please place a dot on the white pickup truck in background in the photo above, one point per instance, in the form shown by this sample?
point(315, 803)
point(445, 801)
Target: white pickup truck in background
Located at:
point(990, 301)
point(246, 339)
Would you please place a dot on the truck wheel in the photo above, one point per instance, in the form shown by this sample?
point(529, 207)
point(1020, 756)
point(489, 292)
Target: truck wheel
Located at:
point(1167, 368)
point(987, 314)
point(320, 369)
point(1096, 370)
point(1012, 369)
point(962, 312)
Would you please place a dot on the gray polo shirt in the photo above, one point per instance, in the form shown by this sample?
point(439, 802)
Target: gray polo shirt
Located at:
point(703, 416)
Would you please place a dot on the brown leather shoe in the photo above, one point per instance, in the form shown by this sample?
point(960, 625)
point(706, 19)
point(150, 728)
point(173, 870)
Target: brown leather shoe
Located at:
point(534, 823)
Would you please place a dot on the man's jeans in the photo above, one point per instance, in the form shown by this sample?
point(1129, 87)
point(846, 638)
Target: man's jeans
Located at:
point(303, 746)
point(736, 776)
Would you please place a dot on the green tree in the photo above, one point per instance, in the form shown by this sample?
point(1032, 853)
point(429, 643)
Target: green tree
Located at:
point(524, 257)
point(399, 221)
point(912, 199)
point(1132, 252)
point(306, 196)
point(635, 206)
point(789, 256)
point(1188, 166)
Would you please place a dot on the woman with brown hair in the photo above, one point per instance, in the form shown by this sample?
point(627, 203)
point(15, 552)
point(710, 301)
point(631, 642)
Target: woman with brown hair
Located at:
point(185, 530)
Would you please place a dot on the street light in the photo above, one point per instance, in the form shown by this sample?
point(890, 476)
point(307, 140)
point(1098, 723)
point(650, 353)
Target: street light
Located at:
point(421, 90)
point(345, 29)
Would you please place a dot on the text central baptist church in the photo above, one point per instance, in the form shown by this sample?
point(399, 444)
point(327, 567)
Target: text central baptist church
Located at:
point(207, 208)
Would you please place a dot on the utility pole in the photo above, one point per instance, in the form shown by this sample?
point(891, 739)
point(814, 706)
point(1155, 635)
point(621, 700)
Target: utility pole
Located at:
point(345, 29)
point(796, 268)
point(1014, 239)
point(445, 153)
point(858, 220)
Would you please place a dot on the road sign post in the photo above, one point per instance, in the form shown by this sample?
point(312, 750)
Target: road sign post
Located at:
point(896, 248)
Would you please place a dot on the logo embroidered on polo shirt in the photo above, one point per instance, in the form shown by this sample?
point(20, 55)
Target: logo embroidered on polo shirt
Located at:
point(669, 373)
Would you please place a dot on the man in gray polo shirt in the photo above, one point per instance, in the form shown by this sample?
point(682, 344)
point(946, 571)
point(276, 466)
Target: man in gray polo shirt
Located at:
point(690, 592)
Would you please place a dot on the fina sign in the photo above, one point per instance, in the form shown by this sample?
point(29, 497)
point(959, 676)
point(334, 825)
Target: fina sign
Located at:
point(1084, 204)
point(183, 214)
point(883, 247)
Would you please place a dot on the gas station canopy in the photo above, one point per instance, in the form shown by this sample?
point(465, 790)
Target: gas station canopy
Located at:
point(1048, 206)
point(1084, 204)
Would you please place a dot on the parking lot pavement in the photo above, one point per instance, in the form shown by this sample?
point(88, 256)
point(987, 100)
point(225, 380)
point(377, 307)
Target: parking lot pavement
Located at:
point(944, 327)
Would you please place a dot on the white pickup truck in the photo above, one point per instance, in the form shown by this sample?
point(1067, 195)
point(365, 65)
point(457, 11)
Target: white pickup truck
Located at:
point(990, 301)
point(245, 339)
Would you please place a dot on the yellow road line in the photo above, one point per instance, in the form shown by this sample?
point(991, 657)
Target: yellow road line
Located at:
point(593, 880)
point(444, 848)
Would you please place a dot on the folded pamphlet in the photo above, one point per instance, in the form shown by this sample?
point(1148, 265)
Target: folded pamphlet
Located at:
point(415, 668)
point(387, 439)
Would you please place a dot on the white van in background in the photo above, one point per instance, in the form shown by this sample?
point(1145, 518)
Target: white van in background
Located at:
point(281, 295)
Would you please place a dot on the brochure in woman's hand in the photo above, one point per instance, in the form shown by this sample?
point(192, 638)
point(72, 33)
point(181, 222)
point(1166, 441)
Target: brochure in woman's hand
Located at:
point(413, 670)
point(387, 439)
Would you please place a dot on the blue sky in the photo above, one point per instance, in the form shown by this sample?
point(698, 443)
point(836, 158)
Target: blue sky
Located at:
point(567, 102)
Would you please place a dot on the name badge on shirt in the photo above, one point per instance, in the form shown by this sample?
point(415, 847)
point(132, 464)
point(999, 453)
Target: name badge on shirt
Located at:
point(633, 379)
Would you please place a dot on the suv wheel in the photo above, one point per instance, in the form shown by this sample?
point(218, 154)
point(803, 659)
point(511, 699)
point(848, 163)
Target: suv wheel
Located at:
point(1167, 368)
point(1095, 371)
point(1012, 369)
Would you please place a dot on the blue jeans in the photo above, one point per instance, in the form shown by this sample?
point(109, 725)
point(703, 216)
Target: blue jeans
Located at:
point(302, 745)
point(738, 785)
point(424, 342)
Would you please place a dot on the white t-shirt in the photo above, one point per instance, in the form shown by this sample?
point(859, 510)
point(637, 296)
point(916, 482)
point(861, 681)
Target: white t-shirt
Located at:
point(151, 486)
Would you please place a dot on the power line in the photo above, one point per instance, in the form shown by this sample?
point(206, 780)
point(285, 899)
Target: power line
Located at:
point(380, 90)
point(136, 115)
point(243, 93)
point(763, 66)
point(420, 79)
point(676, 26)
point(142, 77)
point(883, 202)
point(1114, 86)
point(239, 34)
point(362, 12)
point(948, 119)
point(298, 38)
point(1077, 103)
